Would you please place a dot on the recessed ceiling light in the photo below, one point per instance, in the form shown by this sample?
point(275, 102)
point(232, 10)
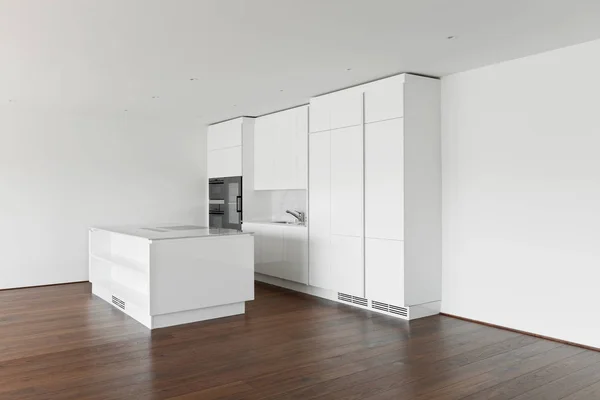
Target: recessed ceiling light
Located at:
point(235, 105)
point(155, 97)
point(451, 37)
point(281, 90)
point(193, 79)
point(348, 69)
point(125, 110)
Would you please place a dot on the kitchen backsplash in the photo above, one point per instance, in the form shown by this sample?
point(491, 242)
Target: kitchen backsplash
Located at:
point(282, 200)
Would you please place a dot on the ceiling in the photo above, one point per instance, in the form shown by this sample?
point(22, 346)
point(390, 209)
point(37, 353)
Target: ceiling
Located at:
point(217, 59)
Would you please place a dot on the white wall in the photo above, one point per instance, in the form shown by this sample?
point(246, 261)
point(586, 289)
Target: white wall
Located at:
point(61, 173)
point(521, 194)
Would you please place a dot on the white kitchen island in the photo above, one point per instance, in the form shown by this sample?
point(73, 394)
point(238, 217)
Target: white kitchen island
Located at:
point(169, 275)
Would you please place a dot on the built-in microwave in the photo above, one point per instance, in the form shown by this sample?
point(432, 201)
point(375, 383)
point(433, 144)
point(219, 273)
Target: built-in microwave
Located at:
point(225, 202)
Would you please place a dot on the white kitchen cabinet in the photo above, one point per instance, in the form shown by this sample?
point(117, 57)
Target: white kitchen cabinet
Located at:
point(271, 242)
point(295, 254)
point(281, 150)
point(165, 276)
point(225, 134)
point(280, 251)
point(346, 108)
point(319, 200)
point(384, 99)
point(256, 230)
point(347, 181)
point(375, 195)
point(384, 179)
point(265, 153)
point(347, 266)
point(336, 110)
point(384, 275)
point(225, 162)
point(319, 114)
point(224, 147)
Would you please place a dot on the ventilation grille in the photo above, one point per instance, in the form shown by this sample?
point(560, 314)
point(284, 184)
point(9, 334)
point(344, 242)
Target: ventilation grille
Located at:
point(389, 308)
point(118, 302)
point(353, 299)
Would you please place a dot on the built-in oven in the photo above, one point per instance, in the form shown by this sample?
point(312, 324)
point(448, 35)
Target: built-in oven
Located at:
point(225, 202)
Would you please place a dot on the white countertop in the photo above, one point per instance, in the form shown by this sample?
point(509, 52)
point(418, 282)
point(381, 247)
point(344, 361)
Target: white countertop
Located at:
point(295, 225)
point(169, 231)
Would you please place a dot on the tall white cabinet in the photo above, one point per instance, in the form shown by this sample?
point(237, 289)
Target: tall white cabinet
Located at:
point(375, 195)
point(336, 224)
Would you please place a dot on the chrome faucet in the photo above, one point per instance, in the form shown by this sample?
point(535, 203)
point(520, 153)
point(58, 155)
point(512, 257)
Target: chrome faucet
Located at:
point(299, 215)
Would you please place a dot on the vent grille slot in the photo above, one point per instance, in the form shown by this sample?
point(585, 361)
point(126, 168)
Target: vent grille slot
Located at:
point(399, 310)
point(360, 301)
point(345, 297)
point(118, 302)
point(389, 308)
point(380, 306)
point(348, 298)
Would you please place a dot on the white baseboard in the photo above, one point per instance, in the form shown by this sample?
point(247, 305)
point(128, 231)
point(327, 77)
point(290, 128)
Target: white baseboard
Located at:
point(414, 311)
point(200, 314)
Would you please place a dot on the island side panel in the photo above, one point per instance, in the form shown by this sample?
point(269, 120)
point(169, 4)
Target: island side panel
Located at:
point(195, 273)
point(119, 272)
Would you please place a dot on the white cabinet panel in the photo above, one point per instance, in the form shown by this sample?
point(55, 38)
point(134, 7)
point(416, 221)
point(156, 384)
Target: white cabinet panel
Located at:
point(384, 179)
point(346, 108)
point(347, 181)
point(271, 250)
point(295, 257)
point(281, 150)
point(319, 114)
point(384, 99)
point(320, 209)
point(225, 162)
point(299, 154)
point(265, 152)
point(225, 134)
point(384, 271)
point(347, 267)
point(255, 229)
point(320, 261)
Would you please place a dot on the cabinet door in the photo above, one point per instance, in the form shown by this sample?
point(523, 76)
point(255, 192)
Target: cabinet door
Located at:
point(347, 181)
point(319, 198)
point(295, 257)
point(255, 229)
point(281, 150)
point(347, 266)
point(384, 271)
point(223, 135)
point(225, 162)
point(346, 108)
point(319, 114)
point(264, 151)
point(271, 250)
point(384, 99)
point(384, 179)
point(300, 149)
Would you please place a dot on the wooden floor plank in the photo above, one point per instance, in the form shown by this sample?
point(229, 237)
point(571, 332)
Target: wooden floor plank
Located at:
point(61, 342)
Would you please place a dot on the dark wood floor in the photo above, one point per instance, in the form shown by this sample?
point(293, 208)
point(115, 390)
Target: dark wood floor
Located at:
point(62, 343)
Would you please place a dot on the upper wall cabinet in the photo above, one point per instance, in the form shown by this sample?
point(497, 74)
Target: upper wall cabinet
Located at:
point(336, 110)
point(384, 99)
point(281, 150)
point(225, 134)
point(224, 145)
